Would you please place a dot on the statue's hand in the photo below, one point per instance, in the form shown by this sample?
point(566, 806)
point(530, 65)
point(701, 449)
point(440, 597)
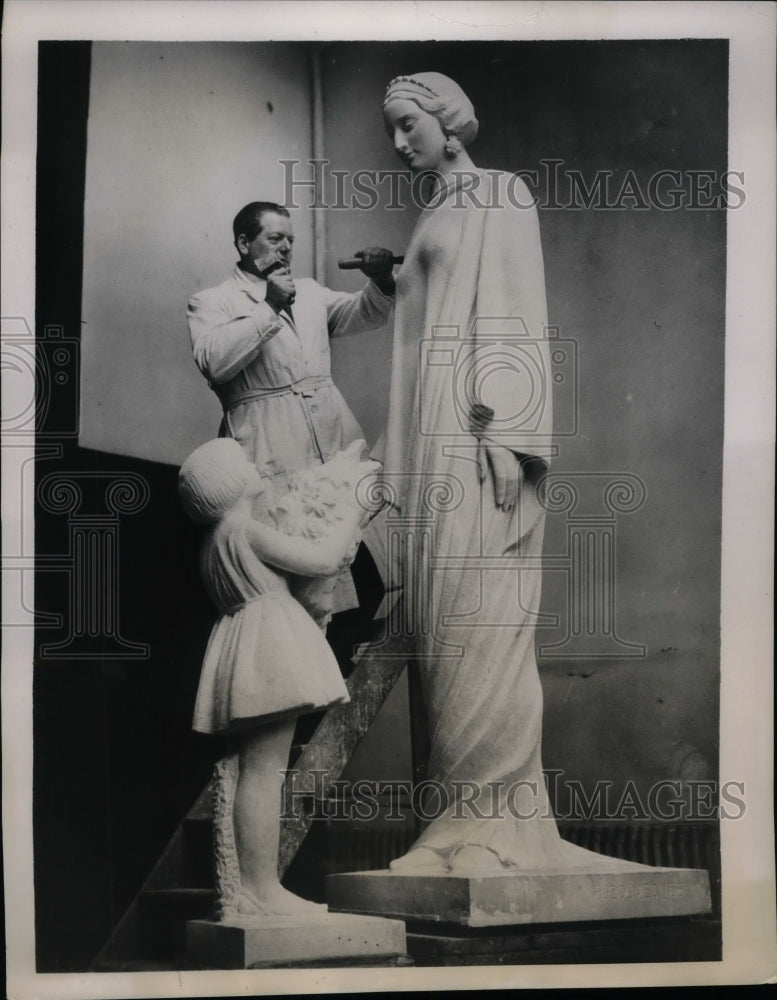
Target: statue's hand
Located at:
point(507, 471)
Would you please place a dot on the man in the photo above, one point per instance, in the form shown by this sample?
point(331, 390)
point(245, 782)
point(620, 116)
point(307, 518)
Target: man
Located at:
point(261, 338)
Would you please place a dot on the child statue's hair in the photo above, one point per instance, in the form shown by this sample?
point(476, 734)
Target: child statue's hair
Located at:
point(212, 479)
point(214, 476)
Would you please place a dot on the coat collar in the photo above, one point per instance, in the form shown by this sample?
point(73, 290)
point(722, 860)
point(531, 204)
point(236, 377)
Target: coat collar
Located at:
point(255, 288)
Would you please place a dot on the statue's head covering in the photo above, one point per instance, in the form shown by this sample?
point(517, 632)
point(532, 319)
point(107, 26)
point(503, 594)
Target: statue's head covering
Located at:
point(212, 479)
point(441, 97)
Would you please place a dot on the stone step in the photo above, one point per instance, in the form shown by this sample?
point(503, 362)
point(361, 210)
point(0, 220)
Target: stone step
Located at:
point(662, 939)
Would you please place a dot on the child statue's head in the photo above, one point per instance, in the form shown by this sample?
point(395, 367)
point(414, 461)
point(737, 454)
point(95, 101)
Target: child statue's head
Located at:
point(213, 478)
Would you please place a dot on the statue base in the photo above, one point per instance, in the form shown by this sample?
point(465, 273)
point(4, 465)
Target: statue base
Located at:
point(512, 898)
point(253, 942)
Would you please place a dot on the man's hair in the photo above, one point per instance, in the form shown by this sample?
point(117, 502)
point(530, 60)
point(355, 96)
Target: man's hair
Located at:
point(248, 220)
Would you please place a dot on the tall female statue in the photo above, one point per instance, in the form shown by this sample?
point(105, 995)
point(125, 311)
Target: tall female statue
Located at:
point(470, 414)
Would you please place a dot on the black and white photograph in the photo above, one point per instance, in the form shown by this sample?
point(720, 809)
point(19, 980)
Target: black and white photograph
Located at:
point(388, 453)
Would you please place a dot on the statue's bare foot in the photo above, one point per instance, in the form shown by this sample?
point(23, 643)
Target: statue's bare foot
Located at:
point(472, 858)
point(275, 901)
point(419, 860)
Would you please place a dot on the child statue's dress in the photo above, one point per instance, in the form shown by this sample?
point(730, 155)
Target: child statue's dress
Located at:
point(266, 658)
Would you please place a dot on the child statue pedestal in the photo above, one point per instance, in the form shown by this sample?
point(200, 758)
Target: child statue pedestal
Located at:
point(246, 942)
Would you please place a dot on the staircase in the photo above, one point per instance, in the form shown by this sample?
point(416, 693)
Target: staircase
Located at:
point(150, 935)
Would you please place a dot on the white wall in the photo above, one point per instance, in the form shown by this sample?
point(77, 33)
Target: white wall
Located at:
point(180, 137)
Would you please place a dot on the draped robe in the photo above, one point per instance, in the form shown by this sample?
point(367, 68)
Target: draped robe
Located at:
point(470, 326)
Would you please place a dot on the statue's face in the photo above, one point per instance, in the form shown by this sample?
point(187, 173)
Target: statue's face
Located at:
point(418, 137)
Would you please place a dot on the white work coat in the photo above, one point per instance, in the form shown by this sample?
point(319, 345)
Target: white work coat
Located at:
point(272, 373)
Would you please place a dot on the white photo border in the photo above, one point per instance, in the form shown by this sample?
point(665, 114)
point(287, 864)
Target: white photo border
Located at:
point(749, 949)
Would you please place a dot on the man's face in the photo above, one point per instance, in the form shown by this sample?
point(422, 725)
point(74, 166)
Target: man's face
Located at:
point(276, 237)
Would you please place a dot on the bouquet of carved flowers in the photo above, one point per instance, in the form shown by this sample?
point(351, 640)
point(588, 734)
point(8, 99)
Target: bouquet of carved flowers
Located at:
point(316, 501)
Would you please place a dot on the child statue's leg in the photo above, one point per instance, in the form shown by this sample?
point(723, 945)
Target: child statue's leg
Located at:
point(263, 756)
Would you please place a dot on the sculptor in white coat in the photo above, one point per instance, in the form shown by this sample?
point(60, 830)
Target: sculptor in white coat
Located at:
point(261, 339)
point(468, 438)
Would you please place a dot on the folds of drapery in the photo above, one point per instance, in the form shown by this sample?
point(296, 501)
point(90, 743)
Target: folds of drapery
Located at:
point(482, 340)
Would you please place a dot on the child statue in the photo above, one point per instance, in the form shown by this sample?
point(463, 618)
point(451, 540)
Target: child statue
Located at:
point(267, 660)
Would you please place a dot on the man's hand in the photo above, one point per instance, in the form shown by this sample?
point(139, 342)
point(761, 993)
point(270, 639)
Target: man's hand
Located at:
point(378, 264)
point(507, 471)
point(280, 290)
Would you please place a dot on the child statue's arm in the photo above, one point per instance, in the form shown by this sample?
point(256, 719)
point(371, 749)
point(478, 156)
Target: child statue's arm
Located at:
point(303, 556)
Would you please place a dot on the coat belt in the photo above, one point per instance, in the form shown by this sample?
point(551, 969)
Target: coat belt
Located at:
point(301, 387)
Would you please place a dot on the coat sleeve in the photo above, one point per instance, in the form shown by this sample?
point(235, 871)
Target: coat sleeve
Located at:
point(223, 343)
point(513, 374)
point(356, 312)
